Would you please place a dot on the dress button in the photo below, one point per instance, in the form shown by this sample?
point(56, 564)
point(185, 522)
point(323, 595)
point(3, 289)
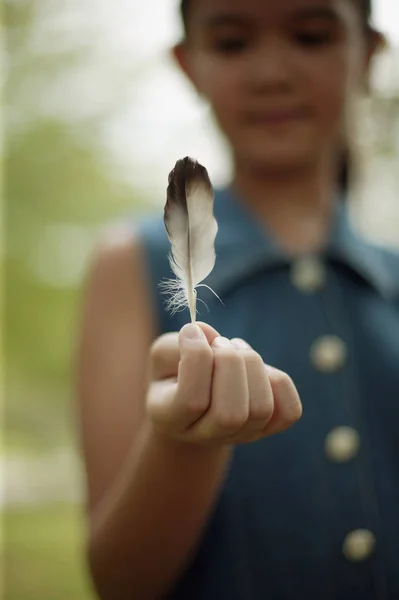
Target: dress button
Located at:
point(308, 274)
point(342, 444)
point(328, 353)
point(358, 545)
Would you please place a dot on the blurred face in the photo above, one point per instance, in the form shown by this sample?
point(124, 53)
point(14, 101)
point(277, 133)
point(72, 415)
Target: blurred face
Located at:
point(278, 73)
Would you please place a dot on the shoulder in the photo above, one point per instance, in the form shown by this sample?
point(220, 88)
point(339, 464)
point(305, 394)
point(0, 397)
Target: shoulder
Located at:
point(116, 268)
point(386, 260)
point(122, 247)
point(150, 232)
point(128, 264)
point(390, 256)
point(116, 249)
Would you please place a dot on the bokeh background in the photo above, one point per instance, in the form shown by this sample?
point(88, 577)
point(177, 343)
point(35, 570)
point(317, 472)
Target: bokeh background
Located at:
point(95, 116)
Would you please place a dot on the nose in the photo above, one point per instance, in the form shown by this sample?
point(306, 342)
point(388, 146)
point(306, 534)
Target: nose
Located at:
point(270, 65)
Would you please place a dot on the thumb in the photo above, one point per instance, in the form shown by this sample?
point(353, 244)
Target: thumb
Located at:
point(210, 332)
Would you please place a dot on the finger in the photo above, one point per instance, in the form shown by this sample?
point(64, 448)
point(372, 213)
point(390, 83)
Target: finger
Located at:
point(165, 356)
point(229, 406)
point(287, 404)
point(209, 331)
point(175, 403)
point(241, 344)
point(192, 397)
point(261, 404)
point(165, 352)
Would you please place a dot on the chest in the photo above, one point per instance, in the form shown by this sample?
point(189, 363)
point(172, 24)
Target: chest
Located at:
point(334, 472)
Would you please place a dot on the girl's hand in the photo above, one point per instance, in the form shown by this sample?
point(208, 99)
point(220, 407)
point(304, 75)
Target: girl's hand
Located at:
point(206, 389)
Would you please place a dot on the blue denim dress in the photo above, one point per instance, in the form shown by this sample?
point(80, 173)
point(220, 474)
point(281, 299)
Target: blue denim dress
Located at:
point(311, 513)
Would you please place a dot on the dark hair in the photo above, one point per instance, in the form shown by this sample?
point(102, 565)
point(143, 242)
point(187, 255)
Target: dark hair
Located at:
point(364, 5)
point(346, 162)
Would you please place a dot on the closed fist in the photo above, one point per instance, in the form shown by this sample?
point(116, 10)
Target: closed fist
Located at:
point(206, 389)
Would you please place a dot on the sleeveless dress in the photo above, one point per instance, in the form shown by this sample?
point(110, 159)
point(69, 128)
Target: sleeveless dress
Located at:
point(311, 513)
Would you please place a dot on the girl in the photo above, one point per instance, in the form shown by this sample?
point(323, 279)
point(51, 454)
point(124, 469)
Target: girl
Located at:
point(191, 494)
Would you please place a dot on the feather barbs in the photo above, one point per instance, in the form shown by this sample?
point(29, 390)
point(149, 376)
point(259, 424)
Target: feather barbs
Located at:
point(191, 228)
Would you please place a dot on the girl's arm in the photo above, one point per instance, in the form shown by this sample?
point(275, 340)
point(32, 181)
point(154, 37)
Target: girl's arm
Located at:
point(156, 448)
point(148, 498)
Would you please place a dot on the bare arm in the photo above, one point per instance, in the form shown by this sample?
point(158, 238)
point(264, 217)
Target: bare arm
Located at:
point(148, 497)
point(157, 443)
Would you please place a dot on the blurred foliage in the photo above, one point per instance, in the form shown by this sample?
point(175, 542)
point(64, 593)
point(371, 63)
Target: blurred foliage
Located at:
point(43, 559)
point(53, 185)
point(60, 188)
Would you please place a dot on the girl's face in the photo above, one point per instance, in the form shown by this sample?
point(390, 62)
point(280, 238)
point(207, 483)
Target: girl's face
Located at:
point(278, 73)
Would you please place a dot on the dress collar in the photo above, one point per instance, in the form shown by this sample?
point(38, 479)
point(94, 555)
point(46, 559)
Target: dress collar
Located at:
point(244, 247)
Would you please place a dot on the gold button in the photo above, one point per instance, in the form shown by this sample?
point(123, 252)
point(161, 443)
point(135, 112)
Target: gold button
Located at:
point(342, 444)
point(308, 274)
point(328, 353)
point(358, 545)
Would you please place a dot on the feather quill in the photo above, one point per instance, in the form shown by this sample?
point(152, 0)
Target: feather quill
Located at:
point(191, 228)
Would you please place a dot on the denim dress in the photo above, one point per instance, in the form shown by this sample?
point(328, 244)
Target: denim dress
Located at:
point(311, 513)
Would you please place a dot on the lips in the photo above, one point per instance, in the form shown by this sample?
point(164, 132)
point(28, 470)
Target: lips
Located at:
point(278, 116)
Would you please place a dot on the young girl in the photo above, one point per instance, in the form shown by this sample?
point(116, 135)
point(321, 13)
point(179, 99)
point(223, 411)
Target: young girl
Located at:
point(191, 494)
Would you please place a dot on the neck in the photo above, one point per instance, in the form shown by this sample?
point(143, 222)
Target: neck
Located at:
point(295, 207)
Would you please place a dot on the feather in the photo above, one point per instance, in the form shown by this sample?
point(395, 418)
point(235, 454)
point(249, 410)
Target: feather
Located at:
point(191, 228)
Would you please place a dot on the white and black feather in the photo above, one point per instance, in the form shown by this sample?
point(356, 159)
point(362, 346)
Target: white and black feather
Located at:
point(191, 228)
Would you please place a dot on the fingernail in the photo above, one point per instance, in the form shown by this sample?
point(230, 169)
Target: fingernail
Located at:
point(240, 344)
point(193, 332)
point(221, 342)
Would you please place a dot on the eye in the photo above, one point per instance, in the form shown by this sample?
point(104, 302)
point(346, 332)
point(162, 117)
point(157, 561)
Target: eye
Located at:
point(314, 39)
point(231, 45)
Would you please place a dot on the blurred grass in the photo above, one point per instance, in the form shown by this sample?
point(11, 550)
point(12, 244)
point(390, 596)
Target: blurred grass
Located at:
point(43, 554)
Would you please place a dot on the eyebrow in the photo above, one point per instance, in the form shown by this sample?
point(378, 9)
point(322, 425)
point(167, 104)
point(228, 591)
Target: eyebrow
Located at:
point(236, 18)
point(317, 12)
point(224, 18)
